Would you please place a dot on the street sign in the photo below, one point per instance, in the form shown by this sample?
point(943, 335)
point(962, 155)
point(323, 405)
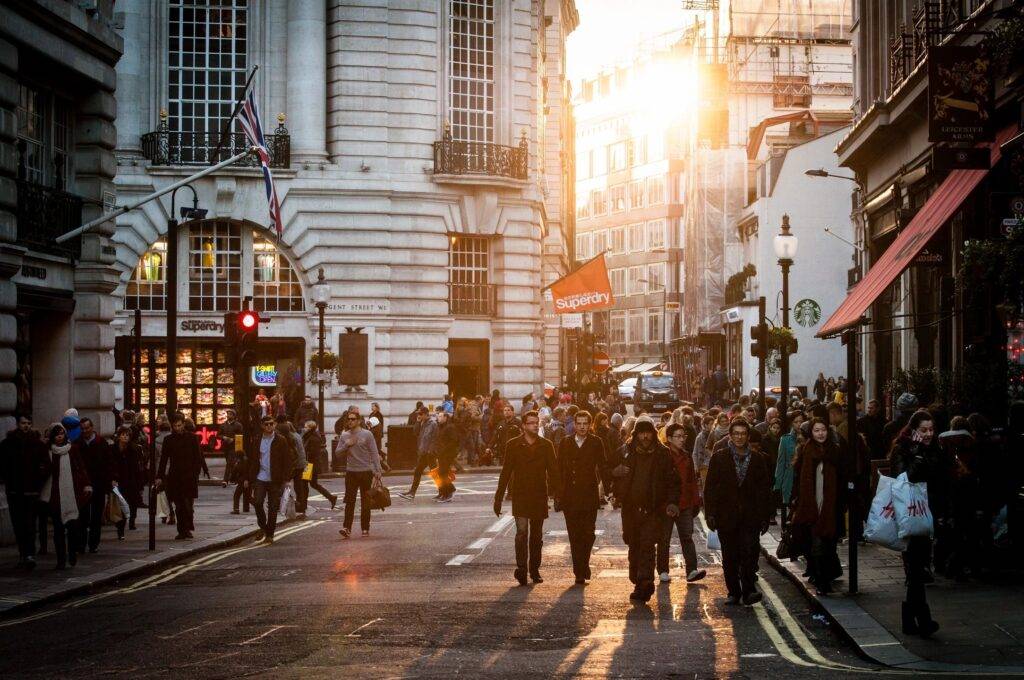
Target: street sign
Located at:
point(961, 94)
point(602, 362)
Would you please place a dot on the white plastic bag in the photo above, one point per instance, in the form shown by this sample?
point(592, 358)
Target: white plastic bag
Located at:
point(287, 508)
point(713, 541)
point(122, 503)
point(913, 515)
point(163, 508)
point(881, 528)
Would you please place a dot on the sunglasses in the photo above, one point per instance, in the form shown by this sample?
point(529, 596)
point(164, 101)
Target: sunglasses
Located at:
point(353, 418)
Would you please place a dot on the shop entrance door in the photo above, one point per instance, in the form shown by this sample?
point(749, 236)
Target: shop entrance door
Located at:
point(468, 367)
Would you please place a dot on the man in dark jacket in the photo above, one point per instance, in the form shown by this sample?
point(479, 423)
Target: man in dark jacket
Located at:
point(99, 463)
point(271, 464)
point(507, 429)
point(530, 467)
point(582, 465)
point(871, 425)
point(426, 452)
point(24, 466)
point(178, 473)
point(737, 504)
point(649, 488)
point(905, 406)
point(306, 412)
point(446, 446)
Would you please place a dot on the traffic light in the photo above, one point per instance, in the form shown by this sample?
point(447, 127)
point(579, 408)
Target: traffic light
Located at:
point(759, 346)
point(247, 333)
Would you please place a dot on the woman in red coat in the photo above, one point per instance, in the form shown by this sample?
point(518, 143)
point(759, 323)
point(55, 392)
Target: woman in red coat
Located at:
point(689, 506)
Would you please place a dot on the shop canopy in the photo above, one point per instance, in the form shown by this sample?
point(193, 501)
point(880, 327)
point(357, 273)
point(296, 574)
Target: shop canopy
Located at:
point(642, 368)
point(624, 368)
point(936, 211)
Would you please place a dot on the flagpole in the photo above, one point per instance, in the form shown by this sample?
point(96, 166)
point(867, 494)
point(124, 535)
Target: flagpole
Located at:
point(238, 105)
point(581, 266)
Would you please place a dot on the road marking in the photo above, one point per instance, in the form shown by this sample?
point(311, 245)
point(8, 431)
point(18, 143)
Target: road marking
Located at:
point(274, 629)
point(480, 543)
point(500, 525)
point(563, 532)
point(204, 624)
point(365, 625)
point(459, 559)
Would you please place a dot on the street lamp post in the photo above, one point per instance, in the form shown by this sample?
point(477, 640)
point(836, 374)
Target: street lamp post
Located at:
point(785, 250)
point(322, 293)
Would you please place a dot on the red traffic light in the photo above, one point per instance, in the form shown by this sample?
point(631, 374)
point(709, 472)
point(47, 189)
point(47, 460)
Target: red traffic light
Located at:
point(248, 320)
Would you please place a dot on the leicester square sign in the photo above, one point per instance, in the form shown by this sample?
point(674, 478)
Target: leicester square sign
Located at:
point(961, 95)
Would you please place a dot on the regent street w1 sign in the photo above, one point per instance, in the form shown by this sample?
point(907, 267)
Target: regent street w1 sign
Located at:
point(961, 95)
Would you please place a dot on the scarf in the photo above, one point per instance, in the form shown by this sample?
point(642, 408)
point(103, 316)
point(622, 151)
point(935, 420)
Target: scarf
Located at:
point(66, 484)
point(823, 521)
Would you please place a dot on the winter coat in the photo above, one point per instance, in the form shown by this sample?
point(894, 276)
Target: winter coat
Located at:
point(304, 414)
point(24, 463)
point(922, 464)
point(130, 471)
point(79, 477)
point(99, 461)
point(446, 445)
point(581, 470)
point(532, 471)
point(180, 465)
point(282, 461)
point(784, 473)
point(554, 432)
point(316, 451)
point(504, 432)
point(663, 490)
point(731, 506)
point(826, 522)
point(689, 490)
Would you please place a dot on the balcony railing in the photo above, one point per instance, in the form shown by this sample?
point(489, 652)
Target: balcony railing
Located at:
point(472, 299)
point(909, 47)
point(452, 157)
point(167, 147)
point(44, 214)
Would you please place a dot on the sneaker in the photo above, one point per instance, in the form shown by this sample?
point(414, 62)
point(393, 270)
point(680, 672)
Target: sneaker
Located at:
point(345, 533)
point(665, 577)
point(752, 598)
point(366, 532)
point(696, 575)
point(259, 537)
point(404, 496)
point(445, 499)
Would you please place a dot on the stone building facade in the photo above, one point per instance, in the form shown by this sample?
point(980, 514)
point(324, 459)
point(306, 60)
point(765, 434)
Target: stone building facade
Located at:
point(57, 137)
point(411, 150)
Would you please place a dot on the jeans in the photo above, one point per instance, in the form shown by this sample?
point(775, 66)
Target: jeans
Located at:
point(684, 525)
point(266, 517)
point(645, 533)
point(422, 463)
point(580, 526)
point(23, 508)
point(90, 521)
point(357, 482)
point(740, 550)
point(529, 543)
point(301, 487)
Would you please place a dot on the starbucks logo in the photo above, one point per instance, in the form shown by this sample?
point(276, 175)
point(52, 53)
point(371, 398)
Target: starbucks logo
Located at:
point(807, 312)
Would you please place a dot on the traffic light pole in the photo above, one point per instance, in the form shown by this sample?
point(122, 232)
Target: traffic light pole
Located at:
point(761, 360)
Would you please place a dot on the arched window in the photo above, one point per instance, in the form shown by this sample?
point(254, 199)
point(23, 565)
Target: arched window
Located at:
point(275, 285)
point(145, 289)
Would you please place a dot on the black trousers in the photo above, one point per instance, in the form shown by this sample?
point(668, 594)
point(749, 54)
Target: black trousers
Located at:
point(267, 499)
point(90, 521)
point(529, 543)
point(301, 487)
point(916, 559)
point(315, 484)
point(65, 536)
point(358, 482)
point(183, 506)
point(580, 526)
point(444, 468)
point(645, 532)
point(422, 463)
point(244, 494)
point(740, 551)
point(23, 508)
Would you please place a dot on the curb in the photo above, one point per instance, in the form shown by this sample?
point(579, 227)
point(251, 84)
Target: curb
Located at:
point(872, 640)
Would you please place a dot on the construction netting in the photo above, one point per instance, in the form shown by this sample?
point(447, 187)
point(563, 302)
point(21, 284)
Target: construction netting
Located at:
point(791, 19)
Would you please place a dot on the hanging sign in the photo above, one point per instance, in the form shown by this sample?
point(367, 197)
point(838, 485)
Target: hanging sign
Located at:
point(961, 94)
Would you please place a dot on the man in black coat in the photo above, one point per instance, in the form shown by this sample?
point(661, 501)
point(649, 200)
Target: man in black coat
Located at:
point(24, 466)
point(99, 463)
point(582, 465)
point(178, 473)
point(530, 467)
point(270, 466)
point(737, 504)
point(649, 487)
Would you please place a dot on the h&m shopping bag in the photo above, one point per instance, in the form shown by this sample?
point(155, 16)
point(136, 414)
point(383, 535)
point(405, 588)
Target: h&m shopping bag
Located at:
point(881, 527)
point(913, 515)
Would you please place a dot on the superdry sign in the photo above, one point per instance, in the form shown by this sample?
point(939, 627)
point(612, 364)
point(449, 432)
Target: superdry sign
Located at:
point(584, 290)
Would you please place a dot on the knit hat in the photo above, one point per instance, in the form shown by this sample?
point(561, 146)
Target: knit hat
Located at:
point(616, 420)
point(644, 423)
point(906, 402)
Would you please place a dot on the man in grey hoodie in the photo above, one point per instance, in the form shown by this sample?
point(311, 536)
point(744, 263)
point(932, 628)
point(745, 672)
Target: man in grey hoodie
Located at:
point(362, 467)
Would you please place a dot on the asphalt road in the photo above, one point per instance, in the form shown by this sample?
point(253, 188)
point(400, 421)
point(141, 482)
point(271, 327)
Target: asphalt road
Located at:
point(429, 594)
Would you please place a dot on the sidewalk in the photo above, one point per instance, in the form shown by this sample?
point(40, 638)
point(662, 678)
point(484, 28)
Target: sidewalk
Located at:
point(215, 527)
point(982, 620)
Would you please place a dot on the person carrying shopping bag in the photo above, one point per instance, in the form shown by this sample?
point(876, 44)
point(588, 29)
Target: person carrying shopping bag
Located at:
point(362, 469)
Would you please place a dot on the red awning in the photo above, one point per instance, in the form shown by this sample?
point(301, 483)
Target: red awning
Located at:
point(936, 211)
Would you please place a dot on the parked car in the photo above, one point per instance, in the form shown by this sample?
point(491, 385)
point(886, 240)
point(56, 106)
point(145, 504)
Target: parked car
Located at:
point(656, 392)
point(626, 389)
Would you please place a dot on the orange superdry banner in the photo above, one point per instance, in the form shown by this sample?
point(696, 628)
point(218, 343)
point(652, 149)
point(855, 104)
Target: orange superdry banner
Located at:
point(584, 290)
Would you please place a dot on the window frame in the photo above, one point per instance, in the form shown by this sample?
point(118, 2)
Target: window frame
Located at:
point(637, 245)
point(475, 118)
point(652, 228)
point(617, 234)
point(633, 284)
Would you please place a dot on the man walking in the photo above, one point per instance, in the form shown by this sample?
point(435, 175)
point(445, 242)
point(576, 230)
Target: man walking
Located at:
point(737, 504)
point(530, 467)
point(507, 429)
point(447, 448)
point(362, 468)
point(582, 465)
point(178, 473)
point(649, 488)
point(99, 463)
point(24, 467)
point(270, 467)
point(689, 506)
point(426, 437)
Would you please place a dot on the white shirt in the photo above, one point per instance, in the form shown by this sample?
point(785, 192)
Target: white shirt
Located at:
point(580, 440)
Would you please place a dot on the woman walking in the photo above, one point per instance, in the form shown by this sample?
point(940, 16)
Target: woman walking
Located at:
point(65, 491)
point(130, 475)
point(316, 453)
point(788, 444)
point(817, 505)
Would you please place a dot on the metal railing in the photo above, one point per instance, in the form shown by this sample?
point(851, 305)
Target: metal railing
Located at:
point(452, 157)
point(909, 47)
point(166, 147)
point(472, 299)
point(44, 214)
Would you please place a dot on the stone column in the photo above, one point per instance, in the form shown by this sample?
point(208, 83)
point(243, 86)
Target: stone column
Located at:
point(134, 77)
point(307, 80)
point(10, 253)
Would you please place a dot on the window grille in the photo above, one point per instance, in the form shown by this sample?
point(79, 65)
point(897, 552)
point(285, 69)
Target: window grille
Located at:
point(207, 44)
point(146, 289)
point(275, 285)
point(471, 62)
point(215, 266)
point(469, 284)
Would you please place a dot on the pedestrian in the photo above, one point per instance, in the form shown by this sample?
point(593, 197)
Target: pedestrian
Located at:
point(178, 473)
point(554, 431)
point(362, 469)
point(916, 453)
point(529, 467)
point(906, 405)
point(129, 476)
point(784, 472)
point(414, 416)
point(285, 429)
point(270, 467)
point(316, 453)
point(818, 508)
point(99, 462)
point(582, 466)
point(426, 436)
point(306, 411)
point(446, 448)
point(737, 504)
point(648, 486)
point(966, 519)
point(820, 388)
point(689, 506)
point(65, 491)
point(24, 467)
point(235, 463)
point(871, 425)
point(507, 429)
point(702, 449)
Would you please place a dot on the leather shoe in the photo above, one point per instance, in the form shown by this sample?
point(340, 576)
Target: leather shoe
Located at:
point(520, 575)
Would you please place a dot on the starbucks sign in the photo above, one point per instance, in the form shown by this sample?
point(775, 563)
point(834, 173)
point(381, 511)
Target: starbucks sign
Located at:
point(807, 312)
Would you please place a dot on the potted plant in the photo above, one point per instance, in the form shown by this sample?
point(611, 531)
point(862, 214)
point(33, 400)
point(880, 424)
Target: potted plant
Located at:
point(323, 367)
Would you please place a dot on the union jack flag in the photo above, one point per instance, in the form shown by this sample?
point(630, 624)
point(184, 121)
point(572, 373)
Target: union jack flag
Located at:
point(249, 117)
